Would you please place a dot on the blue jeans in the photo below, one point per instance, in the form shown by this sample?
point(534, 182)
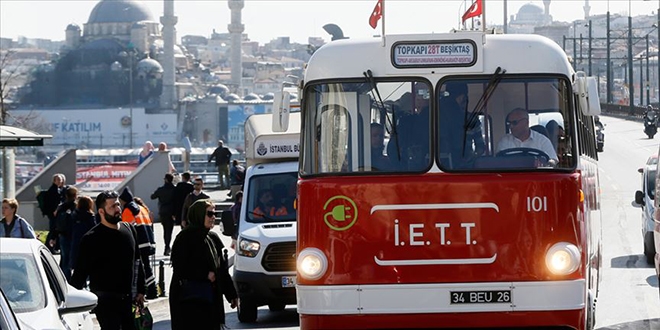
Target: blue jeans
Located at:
point(65, 255)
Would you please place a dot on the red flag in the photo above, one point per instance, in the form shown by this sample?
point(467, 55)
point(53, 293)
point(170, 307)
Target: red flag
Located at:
point(474, 10)
point(376, 14)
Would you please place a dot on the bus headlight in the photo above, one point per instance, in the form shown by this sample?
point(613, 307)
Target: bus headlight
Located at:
point(248, 248)
point(312, 263)
point(562, 258)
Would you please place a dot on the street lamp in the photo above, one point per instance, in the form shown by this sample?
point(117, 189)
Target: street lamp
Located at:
point(130, 55)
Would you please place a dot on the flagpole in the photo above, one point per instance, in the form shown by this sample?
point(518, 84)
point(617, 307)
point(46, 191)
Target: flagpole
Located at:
point(382, 8)
point(483, 15)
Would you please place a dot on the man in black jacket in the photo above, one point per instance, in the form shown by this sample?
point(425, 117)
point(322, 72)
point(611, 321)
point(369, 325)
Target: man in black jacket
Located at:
point(165, 194)
point(54, 196)
point(181, 190)
point(222, 156)
point(109, 257)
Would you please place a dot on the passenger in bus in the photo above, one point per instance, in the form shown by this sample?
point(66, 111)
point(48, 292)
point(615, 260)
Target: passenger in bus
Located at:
point(460, 139)
point(412, 138)
point(554, 132)
point(521, 136)
point(266, 206)
point(379, 162)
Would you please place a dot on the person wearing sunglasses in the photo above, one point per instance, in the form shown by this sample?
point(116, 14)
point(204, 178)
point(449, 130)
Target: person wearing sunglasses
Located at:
point(200, 274)
point(522, 136)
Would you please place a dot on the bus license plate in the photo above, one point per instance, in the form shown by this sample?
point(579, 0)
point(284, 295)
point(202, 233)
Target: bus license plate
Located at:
point(288, 281)
point(480, 297)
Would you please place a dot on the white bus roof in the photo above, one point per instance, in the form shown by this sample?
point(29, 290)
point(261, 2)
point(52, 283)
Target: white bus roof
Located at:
point(264, 145)
point(516, 53)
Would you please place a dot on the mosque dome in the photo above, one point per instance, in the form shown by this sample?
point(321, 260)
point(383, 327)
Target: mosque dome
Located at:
point(73, 27)
point(268, 96)
point(252, 97)
point(530, 9)
point(149, 65)
point(118, 11)
point(232, 98)
point(219, 89)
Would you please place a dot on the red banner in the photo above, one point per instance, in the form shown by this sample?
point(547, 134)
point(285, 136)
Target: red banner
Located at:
point(102, 177)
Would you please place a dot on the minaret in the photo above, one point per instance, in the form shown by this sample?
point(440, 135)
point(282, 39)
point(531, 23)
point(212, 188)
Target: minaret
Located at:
point(587, 8)
point(236, 29)
point(168, 97)
point(548, 18)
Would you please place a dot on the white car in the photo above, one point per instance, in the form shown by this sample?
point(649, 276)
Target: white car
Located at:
point(37, 290)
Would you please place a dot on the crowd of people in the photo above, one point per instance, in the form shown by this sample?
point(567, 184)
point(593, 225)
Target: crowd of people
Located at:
point(107, 245)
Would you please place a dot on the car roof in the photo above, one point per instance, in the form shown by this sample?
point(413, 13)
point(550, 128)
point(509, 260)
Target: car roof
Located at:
point(19, 245)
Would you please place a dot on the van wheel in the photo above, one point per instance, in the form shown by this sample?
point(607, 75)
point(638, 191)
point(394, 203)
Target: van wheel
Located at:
point(276, 307)
point(247, 311)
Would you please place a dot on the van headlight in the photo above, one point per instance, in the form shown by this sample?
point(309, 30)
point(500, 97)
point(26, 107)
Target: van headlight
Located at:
point(248, 248)
point(312, 263)
point(562, 258)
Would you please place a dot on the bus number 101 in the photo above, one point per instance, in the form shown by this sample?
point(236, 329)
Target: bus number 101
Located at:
point(537, 204)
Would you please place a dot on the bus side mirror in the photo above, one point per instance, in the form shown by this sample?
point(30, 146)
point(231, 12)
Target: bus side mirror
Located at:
point(281, 110)
point(586, 89)
point(228, 228)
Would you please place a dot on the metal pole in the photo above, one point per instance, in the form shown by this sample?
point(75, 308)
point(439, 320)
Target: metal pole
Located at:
point(574, 46)
point(641, 81)
point(631, 85)
point(581, 58)
point(648, 76)
point(609, 63)
point(130, 98)
point(563, 43)
point(590, 47)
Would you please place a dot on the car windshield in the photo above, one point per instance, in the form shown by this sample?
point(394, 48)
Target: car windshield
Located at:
point(271, 198)
point(21, 282)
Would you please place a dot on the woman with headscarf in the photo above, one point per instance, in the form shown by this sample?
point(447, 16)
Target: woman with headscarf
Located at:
point(200, 277)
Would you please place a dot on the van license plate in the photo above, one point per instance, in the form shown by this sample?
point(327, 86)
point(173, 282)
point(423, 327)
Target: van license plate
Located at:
point(288, 281)
point(480, 297)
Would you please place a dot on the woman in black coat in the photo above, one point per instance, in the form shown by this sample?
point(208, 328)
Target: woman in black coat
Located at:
point(200, 276)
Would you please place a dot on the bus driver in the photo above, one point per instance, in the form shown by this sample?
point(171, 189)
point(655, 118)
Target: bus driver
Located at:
point(521, 136)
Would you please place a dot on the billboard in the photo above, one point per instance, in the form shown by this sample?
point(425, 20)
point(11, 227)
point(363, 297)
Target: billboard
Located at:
point(237, 114)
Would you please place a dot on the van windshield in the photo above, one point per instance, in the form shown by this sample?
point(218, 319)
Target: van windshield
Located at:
point(271, 198)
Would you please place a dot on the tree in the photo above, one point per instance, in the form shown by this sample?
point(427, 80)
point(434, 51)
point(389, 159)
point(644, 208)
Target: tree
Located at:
point(9, 72)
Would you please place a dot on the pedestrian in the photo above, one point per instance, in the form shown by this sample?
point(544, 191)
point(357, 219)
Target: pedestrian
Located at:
point(146, 152)
point(12, 224)
point(194, 196)
point(52, 200)
point(222, 156)
point(181, 190)
point(83, 221)
point(200, 276)
point(235, 215)
point(236, 176)
point(162, 147)
point(165, 194)
point(138, 216)
point(64, 228)
point(109, 258)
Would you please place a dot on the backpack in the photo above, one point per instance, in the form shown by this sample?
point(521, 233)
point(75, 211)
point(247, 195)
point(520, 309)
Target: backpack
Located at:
point(64, 221)
point(41, 202)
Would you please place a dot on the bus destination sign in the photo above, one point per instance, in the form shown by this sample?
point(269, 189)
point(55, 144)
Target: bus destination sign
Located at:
point(434, 54)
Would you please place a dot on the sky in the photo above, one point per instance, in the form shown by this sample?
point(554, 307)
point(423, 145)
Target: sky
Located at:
point(266, 20)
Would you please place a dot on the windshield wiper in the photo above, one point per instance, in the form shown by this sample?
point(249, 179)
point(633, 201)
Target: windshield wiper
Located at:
point(470, 121)
point(381, 107)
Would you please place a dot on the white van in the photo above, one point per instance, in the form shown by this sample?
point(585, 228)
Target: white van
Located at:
point(265, 261)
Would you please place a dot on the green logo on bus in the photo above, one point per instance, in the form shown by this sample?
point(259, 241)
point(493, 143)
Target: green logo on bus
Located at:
point(341, 213)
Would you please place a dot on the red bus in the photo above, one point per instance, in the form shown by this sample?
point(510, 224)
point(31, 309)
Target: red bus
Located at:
point(447, 180)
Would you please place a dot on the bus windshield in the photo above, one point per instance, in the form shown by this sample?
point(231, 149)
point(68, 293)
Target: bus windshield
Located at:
point(385, 126)
point(271, 198)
